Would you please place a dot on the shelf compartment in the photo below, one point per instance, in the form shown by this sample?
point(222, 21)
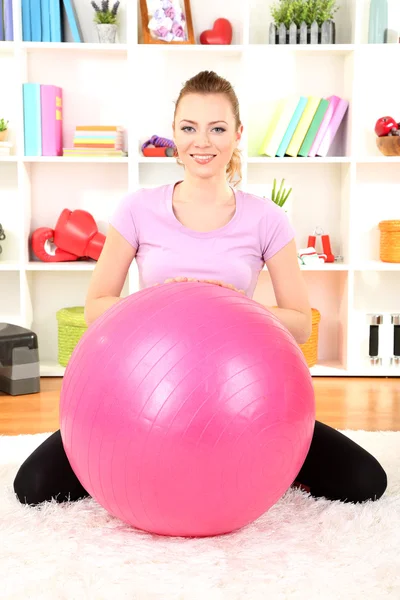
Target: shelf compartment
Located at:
point(328, 293)
point(298, 74)
point(322, 204)
point(93, 88)
point(10, 297)
point(87, 187)
point(10, 213)
point(260, 18)
point(376, 198)
point(375, 292)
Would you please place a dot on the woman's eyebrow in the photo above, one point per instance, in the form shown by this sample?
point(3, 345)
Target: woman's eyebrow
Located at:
point(210, 123)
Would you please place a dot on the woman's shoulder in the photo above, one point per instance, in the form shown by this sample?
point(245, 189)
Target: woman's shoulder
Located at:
point(261, 206)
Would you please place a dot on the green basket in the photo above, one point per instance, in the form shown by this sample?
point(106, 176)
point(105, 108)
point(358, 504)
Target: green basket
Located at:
point(71, 327)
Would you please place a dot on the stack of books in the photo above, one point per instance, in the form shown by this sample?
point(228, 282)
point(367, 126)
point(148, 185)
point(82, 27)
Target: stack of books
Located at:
point(304, 126)
point(97, 140)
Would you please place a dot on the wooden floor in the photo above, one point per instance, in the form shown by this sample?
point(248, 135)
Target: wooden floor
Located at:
point(371, 404)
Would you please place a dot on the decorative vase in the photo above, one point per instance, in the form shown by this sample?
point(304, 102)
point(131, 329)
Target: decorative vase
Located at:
point(106, 33)
point(3, 135)
point(378, 22)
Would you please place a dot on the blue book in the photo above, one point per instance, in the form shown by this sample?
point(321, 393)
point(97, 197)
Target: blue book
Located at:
point(292, 126)
point(55, 21)
point(26, 21)
point(32, 119)
point(36, 22)
point(73, 21)
point(45, 10)
point(1, 22)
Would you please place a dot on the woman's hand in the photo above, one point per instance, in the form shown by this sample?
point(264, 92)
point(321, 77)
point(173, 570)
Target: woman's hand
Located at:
point(229, 286)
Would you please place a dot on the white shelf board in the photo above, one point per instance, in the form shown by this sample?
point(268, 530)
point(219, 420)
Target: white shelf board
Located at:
point(379, 158)
point(79, 265)
point(51, 369)
point(376, 265)
point(257, 160)
point(74, 47)
point(328, 369)
point(336, 49)
point(8, 159)
point(189, 48)
point(9, 265)
point(74, 159)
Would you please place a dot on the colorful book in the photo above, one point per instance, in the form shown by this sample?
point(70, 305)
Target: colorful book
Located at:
point(289, 106)
point(292, 126)
point(36, 21)
point(32, 119)
point(313, 129)
point(52, 117)
point(333, 126)
point(45, 10)
point(73, 21)
point(8, 21)
point(1, 22)
point(26, 20)
point(333, 102)
point(276, 115)
point(303, 125)
point(55, 21)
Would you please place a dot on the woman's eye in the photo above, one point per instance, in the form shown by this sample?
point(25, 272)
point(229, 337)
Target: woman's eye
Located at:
point(186, 127)
point(221, 129)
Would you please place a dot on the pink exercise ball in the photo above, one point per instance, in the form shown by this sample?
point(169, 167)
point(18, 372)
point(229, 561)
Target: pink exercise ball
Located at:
point(187, 409)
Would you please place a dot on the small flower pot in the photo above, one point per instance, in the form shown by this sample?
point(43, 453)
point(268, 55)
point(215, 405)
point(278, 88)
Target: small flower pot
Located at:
point(3, 135)
point(106, 33)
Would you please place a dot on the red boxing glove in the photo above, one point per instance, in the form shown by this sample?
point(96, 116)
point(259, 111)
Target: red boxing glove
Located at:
point(44, 248)
point(76, 232)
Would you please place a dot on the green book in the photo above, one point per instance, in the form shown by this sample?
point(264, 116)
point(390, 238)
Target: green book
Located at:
point(314, 126)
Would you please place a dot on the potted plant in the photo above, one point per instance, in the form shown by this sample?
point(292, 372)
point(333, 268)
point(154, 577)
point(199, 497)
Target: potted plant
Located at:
point(3, 130)
point(308, 12)
point(282, 195)
point(106, 21)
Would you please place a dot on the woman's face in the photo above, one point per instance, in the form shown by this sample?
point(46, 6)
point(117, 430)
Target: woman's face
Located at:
point(205, 133)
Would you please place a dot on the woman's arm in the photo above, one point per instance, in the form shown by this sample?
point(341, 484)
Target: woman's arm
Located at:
point(294, 309)
point(109, 275)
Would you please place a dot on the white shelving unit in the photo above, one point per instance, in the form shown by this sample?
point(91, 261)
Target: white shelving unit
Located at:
point(346, 193)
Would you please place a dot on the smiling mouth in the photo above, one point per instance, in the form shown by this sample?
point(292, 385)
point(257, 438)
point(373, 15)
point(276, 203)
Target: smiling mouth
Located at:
point(203, 158)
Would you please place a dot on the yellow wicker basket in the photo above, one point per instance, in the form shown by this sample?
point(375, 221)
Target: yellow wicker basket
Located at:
point(71, 327)
point(310, 348)
point(389, 250)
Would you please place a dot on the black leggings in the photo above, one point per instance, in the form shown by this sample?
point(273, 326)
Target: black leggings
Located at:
point(335, 468)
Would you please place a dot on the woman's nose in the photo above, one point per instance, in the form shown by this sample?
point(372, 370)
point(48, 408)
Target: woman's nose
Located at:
point(202, 140)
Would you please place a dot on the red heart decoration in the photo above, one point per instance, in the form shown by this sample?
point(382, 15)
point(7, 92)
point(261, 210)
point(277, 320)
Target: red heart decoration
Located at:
point(221, 33)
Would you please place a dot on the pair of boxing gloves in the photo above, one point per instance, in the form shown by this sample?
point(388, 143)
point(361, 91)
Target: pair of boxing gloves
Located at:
point(75, 236)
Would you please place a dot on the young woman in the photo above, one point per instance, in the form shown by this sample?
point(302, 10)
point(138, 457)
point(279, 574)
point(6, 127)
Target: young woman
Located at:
point(201, 228)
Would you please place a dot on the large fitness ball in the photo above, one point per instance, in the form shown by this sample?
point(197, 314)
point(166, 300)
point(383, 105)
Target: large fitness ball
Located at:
point(187, 409)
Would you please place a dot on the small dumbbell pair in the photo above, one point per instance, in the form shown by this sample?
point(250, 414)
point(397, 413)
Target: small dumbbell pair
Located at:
point(375, 320)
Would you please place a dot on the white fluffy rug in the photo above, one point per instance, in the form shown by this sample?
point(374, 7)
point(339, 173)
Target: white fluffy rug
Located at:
point(301, 548)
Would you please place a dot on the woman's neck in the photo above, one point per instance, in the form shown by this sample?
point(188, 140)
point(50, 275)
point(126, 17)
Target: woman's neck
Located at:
point(204, 191)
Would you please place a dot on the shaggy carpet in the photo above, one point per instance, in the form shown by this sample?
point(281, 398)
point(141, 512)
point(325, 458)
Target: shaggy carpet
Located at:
point(300, 548)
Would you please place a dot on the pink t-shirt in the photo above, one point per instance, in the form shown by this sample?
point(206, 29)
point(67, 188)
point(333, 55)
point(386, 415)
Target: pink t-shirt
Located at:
point(234, 253)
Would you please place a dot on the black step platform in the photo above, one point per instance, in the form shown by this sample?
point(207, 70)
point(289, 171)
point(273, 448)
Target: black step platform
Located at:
point(19, 360)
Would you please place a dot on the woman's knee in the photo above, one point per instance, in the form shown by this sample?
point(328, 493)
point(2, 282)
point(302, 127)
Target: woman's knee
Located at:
point(26, 487)
point(370, 483)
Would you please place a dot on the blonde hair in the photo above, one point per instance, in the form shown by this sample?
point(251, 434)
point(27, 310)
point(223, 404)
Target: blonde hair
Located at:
point(208, 82)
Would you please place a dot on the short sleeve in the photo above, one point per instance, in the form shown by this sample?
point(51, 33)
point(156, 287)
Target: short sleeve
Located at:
point(125, 219)
point(276, 231)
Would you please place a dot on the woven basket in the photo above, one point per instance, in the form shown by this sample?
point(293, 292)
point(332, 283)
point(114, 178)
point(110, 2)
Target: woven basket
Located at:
point(389, 250)
point(71, 327)
point(310, 348)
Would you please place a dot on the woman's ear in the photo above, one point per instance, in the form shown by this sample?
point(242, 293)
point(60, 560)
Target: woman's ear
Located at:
point(239, 134)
